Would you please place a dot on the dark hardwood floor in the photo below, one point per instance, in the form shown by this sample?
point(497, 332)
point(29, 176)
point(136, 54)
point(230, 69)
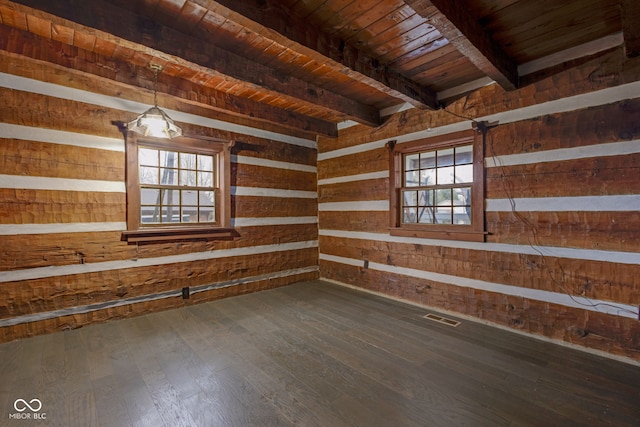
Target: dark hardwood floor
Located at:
point(311, 354)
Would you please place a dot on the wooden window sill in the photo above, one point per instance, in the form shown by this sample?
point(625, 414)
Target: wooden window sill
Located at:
point(157, 234)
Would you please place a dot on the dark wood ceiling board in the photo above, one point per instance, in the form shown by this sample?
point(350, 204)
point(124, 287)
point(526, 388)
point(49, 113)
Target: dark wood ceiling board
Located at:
point(396, 37)
point(445, 60)
point(419, 39)
point(269, 18)
point(373, 21)
point(426, 56)
point(142, 7)
point(465, 33)
point(442, 67)
point(422, 55)
point(631, 27)
point(326, 15)
point(352, 18)
point(386, 34)
point(304, 8)
point(549, 12)
point(557, 40)
point(110, 76)
point(483, 8)
point(452, 75)
point(168, 43)
point(559, 28)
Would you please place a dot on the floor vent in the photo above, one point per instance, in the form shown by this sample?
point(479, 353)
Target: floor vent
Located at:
point(441, 319)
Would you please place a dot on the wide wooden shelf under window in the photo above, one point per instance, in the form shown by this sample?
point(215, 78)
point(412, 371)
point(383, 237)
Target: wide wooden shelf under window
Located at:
point(153, 234)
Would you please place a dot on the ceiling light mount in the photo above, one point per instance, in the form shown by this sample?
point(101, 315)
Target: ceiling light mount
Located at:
point(155, 122)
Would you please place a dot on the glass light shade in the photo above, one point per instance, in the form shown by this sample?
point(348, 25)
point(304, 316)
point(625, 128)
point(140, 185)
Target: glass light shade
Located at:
point(155, 122)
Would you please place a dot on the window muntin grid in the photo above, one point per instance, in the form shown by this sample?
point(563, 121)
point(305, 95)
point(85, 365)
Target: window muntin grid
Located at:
point(436, 186)
point(177, 187)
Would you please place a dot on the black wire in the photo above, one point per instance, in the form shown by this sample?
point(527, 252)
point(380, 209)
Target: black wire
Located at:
point(536, 243)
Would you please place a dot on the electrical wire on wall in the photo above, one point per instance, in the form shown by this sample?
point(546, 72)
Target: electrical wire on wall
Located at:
point(532, 237)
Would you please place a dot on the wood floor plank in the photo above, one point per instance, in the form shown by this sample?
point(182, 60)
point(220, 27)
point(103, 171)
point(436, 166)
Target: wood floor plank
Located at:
point(310, 354)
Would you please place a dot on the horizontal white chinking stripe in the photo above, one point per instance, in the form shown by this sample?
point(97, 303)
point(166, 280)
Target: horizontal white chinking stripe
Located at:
point(374, 205)
point(23, 182)
point(53, 136)
point(547, 251)
point(268, 221)
point(69, 227)
point(95, 227)
point(273, 192)
point(256, 161)
point(67, 184)
point(576, 102)
point(352, 178)
point(145, 298)
point(65, 270)
point(607, 307)
point(598, 150)
point(49, 89)
point(619, 203)
point(374, 145)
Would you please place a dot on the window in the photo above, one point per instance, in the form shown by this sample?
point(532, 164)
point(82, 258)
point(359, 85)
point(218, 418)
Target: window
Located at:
point(437, 189)
point(177, 189)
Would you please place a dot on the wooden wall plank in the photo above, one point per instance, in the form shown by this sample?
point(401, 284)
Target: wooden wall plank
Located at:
point(369, 161)
point(612, 231)
point(32, 158)
point(268, 177)
point(619, 336)
point(591, 279)
point(370, 189)
point(74, 321)
point(567, 147)
point(42, 250)
point(53, 173)
point(581, 177)
point(374, 222)
point(272, 207)
point(44, 206)
point(55, 293)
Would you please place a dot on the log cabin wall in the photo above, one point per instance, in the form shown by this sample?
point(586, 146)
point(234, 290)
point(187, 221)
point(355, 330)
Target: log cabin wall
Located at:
point(62, 195)
point(562, 262)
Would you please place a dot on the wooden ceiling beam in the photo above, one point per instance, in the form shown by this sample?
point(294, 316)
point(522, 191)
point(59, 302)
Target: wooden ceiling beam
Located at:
point(630, 11)
point(131, 78)
point(264, 15)
point(463, 31)
point(103, 19)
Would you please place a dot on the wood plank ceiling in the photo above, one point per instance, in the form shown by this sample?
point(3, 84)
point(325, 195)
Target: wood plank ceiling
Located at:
point(311, 64)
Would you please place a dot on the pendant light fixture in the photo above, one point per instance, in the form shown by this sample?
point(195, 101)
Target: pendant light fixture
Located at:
point(155, 122)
